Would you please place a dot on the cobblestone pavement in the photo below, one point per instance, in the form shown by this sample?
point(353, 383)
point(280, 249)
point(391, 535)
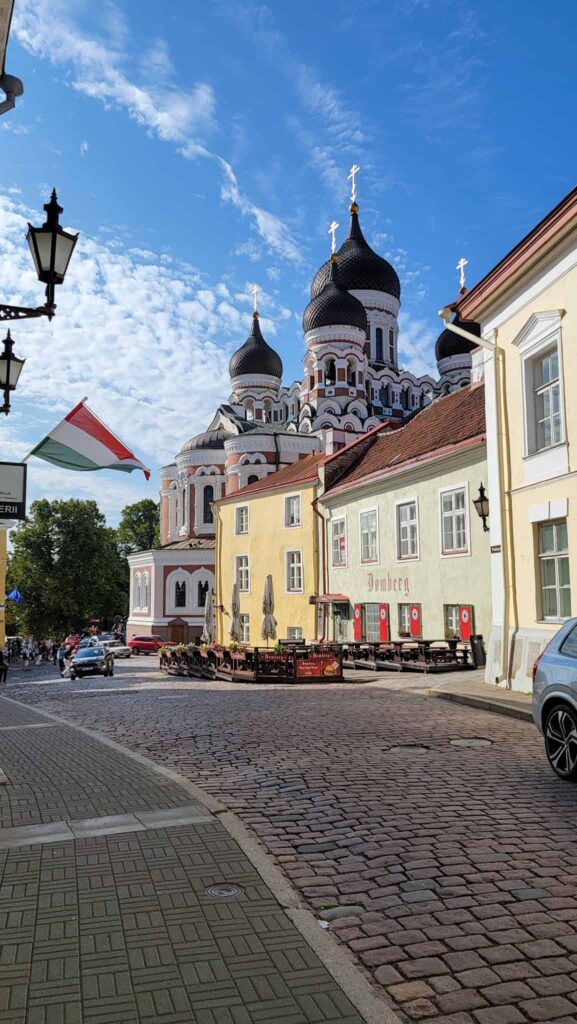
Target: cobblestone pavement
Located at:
point(438, 830)
point(107, 918)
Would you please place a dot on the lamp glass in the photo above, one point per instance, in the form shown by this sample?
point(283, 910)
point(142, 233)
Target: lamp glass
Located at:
point(482, 506)
point(65, 243)
point(13, 372)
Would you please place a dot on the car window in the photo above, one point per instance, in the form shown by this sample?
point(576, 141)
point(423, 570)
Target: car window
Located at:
point(569, 645)
point(91, 652)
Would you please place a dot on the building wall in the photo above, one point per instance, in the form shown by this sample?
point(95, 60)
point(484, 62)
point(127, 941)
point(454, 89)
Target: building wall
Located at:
point(266, 544)
point(431, 580)
point(541, 488)
point(167, 621)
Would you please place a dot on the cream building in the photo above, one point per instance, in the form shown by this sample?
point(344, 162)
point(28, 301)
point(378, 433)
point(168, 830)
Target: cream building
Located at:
point(407, 553)
point(527, 309)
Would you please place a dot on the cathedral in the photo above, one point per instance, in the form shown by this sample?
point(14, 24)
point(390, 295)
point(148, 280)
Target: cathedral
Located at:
point(351, 383)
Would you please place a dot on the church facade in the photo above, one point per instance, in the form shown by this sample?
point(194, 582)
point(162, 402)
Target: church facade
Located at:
point(351, 383)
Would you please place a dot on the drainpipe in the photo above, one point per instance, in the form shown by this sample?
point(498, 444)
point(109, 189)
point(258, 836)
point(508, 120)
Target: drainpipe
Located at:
point(314, 504)
point(503, 470)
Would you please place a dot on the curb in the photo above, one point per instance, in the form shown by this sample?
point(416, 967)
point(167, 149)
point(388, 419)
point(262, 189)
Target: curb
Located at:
point(485, 704)
point(348, 976)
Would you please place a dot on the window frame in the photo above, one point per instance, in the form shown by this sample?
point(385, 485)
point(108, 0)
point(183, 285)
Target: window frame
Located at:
point(400, 605)
point(457, 635)
point(294, 590)
point(364, 512)
point(242, 554)
point(288, 498)
point(290, 629)
point(344, 563)
point(206, 507)
point(456, 552)
point(375, 624)
point(244, 628)
point(403, 503)
point(237, 531)
point(554, 383)
point(555, 555)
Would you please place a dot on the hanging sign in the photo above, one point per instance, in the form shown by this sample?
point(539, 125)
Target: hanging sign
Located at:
point(13, 490)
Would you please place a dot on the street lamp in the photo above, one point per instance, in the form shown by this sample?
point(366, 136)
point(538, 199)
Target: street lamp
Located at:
point(481, 504)
point(51, 249)
point(10, 370)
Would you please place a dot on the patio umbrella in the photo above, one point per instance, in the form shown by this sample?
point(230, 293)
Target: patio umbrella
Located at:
point(208, 629)
point(268, 631)
point(235, 627)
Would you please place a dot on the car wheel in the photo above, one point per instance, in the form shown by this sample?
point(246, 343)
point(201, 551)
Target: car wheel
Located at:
point(136, 650)
point(73, 675)
point(561, 741)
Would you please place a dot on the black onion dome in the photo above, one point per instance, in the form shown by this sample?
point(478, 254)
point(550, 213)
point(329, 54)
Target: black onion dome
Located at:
point(208, 439)
point(334, 305)
point(255, 356)
point(361, 269)
point(451, 344)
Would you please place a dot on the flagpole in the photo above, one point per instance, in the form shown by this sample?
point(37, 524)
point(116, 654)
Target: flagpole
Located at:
point(77, 406)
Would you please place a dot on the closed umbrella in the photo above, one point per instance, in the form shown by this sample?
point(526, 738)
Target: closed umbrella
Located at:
point(235, 627)
point(208, 629)
point(268, 631)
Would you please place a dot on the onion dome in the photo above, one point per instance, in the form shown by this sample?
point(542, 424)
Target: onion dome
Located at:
point(334, 305)
point(360, 268)
point(451, 344)
point(208, 439)
point(255, 356)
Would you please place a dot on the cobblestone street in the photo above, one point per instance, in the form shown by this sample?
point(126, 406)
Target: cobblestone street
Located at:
point(438, 830)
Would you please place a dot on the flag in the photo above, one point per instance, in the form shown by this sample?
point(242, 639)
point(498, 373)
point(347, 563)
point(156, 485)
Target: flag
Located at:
point(15, 596)
point(81, 441)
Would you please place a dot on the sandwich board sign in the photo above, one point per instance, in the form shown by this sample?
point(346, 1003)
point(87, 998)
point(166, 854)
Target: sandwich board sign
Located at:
point(13, 490)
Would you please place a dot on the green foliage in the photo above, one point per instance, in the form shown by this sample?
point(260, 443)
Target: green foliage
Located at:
point(68, 566)
point(139, 527)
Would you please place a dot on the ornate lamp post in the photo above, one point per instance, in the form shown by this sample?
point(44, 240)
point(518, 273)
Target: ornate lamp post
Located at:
point(51, 249)
point(10, 370)
point(481, 504)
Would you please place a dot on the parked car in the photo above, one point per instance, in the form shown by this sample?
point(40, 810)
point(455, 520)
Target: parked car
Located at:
point(145, 644)
point(119, 650)
point(92, 660)
point(72, 639)
point(555, 700)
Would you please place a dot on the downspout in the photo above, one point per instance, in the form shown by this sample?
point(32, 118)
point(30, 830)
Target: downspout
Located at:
point(314, 504)
point(217, 576)
point(503, 471)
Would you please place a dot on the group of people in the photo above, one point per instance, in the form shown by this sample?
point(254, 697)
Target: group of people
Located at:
point(33, 653)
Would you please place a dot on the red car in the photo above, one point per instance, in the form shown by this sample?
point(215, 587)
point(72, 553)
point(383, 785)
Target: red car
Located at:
point(145, 644)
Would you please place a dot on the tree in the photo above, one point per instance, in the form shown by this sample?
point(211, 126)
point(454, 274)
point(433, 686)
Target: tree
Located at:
point(139, 527)
point(67, 565)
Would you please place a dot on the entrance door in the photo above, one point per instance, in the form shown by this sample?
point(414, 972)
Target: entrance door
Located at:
point(178, 632)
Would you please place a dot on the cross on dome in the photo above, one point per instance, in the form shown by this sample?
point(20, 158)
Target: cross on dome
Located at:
point(461, 267)
point(332, 233)
point(351, 177)
point(255, 290)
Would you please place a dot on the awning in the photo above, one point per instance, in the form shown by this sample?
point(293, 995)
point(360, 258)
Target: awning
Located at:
point(332, 599)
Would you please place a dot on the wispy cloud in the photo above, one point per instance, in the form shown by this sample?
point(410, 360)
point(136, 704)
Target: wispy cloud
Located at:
point(185, 118)
point(84, 147)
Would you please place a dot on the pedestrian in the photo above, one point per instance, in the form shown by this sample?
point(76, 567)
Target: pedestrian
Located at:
point(26, 657)
point(3, 667)
point(54, 652)
point(61, 655)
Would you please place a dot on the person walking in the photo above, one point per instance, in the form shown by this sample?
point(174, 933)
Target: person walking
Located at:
point(61, 655)
point(3, 667)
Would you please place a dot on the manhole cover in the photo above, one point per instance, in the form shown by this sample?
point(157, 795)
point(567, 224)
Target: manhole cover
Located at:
point(472, 741)
point(224, 892)
point(413, 748)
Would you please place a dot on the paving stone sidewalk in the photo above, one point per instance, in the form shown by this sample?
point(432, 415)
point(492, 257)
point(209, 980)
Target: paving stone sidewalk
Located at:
point(107, 918)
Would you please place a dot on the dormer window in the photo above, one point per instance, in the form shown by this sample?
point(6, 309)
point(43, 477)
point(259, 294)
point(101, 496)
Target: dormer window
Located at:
point(379, 344)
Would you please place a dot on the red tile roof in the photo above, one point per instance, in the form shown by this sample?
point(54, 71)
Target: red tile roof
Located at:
point(446, 424)
point(303, 471)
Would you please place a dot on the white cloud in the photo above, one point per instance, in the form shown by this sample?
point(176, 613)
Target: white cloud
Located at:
point(417, 344)
point(84, 147)
point(184, 118)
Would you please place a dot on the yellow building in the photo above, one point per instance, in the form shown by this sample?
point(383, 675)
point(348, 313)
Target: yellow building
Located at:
point(527, 309)
point(3, 568)
point(271, 526)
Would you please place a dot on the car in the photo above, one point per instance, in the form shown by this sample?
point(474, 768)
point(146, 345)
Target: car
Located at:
point(93, 660)
point(146, 644)
point(555, 700)
point(119, 650)
point(72, 639)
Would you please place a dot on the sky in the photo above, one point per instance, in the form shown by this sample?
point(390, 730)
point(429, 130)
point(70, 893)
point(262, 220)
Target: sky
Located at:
point(201, 148)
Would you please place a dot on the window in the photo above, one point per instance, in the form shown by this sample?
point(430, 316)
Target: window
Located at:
point(144, 597)
point(391, 345)
point(454, 521)
point(252, 479)
point(330, 372)
point(569, 647)
point(136, 591)
point(244, 629)
point(554, 570)
point(371, 623)
point(208, 497)
point(452, 622)
point(547, 400)
point(292, 510)
point(242, 519)
point(201, 594)
point(339, 542)
point(404, 620)
point(294, 572)
point(242, 573)
point(379, 344)
point(294, 633)
point(180, 595)
point(407, 530)
point(369, 547)
point(183, 507)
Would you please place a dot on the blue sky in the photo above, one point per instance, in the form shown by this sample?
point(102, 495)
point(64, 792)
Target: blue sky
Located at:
point(201, 147)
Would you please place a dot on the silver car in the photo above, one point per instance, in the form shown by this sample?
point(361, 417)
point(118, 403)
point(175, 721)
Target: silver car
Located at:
point(555, 700)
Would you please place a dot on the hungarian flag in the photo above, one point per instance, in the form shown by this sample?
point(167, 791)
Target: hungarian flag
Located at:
point(81, 441)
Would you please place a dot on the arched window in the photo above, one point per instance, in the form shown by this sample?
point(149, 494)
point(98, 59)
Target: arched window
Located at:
point(144, 591)
point(202, 592)
point(379, 344)
point(252, 479)
point(351, 375)
point(330, 372)
point(311, 382)
point(208, 497)
point(180, 595)
point(391, 345)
